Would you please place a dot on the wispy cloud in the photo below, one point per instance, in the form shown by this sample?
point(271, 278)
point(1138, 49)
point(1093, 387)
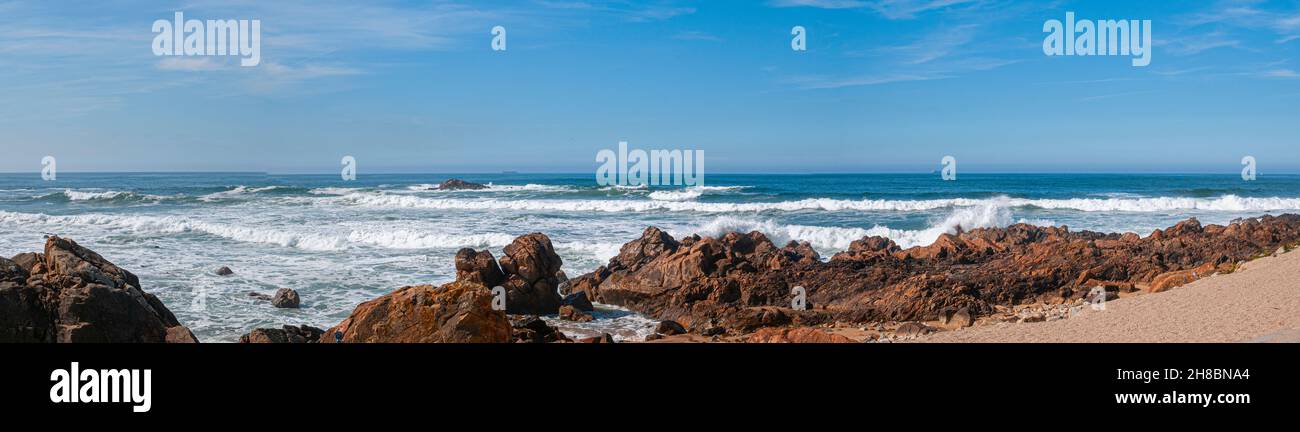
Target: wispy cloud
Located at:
point(891, 9)
point(1197, 43)
point(1247, 16)
point(822, 4)
point(908, 9)
point(626, 10)
point(1281, 73)
point(695, 35)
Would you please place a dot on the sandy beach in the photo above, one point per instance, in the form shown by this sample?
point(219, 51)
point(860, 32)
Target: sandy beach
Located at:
point(1258, 303)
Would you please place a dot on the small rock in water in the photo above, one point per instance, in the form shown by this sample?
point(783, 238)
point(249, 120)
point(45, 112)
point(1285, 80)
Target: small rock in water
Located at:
point(458, 184)
point(570, 313)
point(225, 271)
point(259, 296)
point(285, 298)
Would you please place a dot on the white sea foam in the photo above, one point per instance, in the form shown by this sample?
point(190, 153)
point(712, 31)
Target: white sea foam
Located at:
point(531, 187)
point(839, 238)
point(109, 195)
point(333, 191)
point(323, 240)
point(236, 191)
point(600, 251)
point(676, 195)
point(1142, 205)
point(690, 193)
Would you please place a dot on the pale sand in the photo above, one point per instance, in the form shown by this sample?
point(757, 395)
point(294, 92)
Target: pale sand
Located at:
point(1258, 303)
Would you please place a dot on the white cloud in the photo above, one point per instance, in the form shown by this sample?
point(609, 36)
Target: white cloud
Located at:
point(1281, 73)
point(823, 4)
point(188, 64)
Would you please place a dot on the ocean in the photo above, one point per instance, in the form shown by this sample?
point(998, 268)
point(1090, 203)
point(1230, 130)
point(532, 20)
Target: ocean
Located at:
point(339, 243)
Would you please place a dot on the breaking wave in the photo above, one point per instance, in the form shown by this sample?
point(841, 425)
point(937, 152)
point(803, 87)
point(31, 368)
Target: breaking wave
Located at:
point(1142, 205)
point(326, 240)
point(834, 239)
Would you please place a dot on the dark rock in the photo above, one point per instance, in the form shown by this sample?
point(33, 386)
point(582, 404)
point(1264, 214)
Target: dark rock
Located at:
point(579, 300)
point(285, 298)
point(225, 271)
point(670, 328)
point(286, 334)
point(534, 329)
point(458, 184)
point(603, 338)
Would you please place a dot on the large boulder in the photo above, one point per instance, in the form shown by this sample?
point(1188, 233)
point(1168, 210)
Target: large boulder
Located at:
point(458, 312)
point(72, 294)
point(531, 266)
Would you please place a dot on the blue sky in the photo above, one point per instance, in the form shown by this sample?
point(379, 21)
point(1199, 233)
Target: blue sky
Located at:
point(889, 85)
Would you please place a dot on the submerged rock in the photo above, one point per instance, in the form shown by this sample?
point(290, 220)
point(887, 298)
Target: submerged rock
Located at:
point(224, 271)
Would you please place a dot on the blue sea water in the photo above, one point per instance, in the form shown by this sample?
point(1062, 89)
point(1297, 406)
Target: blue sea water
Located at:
point(343, 242)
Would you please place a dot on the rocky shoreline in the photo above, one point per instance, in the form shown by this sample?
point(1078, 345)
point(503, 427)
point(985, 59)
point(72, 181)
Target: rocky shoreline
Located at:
point(736, 288)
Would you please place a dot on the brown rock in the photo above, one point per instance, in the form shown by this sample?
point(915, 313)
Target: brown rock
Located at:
point(458, 312)
point(570, 313)
point(796, 335)
point(478, 267)
point(72, 294)
point(530, 266)
point(1174, 279)
point(912, 329)
point(961, 318)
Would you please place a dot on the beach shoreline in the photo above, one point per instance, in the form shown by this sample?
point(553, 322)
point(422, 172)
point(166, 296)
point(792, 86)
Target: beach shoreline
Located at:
point(1259, 302)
